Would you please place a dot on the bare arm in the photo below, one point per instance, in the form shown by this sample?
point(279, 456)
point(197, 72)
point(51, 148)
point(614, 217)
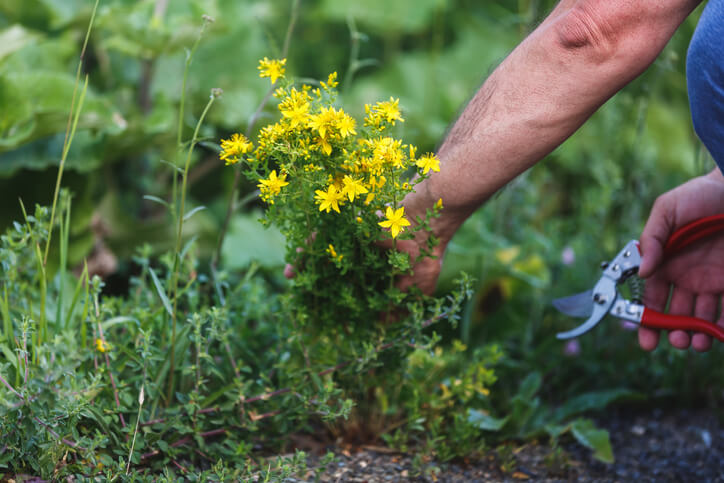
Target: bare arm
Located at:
point(581, 55)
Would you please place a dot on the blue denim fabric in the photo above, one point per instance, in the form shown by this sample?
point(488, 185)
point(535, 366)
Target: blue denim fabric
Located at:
point(705, 79)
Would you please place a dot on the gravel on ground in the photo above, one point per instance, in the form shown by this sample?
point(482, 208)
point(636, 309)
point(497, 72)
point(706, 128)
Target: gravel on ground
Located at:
point(649, 446)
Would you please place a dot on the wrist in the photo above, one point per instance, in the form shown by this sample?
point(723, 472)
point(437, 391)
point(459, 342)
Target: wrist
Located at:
point(444, 226)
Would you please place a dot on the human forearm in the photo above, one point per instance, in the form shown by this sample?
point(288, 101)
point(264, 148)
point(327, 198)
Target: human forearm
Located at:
point(546, 88)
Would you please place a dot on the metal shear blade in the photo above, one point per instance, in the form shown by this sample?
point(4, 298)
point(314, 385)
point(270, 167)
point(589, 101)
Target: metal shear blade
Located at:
point(579, 305)
point(603, 298)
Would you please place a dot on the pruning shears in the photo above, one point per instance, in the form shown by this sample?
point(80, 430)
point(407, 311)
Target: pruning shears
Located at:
point(605, 298)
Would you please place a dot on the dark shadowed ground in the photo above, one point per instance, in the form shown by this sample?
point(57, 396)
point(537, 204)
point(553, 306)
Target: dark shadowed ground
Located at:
point(666, 446)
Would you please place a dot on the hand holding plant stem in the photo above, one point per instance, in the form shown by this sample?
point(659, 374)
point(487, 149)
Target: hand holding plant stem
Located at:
point(321, 173)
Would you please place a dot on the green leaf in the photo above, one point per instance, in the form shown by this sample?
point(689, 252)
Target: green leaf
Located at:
point(193, 212)
point(484, 421)
point(593, 400)
point(156, 199)
point(249, 241)
point(384, 16)
point(13, 39)
point(591, 437)
point(161, 292)
point(121, 319)
point(9, 355)
point(530, 385)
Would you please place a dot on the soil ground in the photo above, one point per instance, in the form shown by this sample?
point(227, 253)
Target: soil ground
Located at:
point(655, 446)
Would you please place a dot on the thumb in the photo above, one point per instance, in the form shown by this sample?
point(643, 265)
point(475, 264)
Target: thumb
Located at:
point(653, 239)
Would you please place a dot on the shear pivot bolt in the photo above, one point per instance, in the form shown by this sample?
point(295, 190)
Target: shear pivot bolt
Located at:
point(627, 254)
point(615, 268)
point(598, 298)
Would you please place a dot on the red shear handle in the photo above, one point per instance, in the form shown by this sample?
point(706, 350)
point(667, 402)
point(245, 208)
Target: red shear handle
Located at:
point(693, 232)
point(656, 320)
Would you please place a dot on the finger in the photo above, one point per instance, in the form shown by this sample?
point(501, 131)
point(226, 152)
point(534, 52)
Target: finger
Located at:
point(705, 308)
point(656, 292)
point(648, 338)
point(682, 303)
point(654, 236)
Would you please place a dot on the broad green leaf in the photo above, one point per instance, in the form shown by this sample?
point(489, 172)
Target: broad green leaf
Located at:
point(32, 13)
point(85, 154)
point(63, 12)
point(384, 16)
point(591, 437)
point(14, 38)
point(484, 421)
point(16, 123)
point(591, 401)
point(249, 241)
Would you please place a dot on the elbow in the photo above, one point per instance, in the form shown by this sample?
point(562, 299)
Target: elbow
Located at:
point(585, 31)
point(619, 38)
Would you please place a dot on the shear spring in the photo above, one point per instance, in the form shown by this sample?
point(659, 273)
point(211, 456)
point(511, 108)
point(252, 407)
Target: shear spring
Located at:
point(636, 286)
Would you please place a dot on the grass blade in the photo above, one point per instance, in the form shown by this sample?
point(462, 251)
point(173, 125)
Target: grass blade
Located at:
point(161, 292)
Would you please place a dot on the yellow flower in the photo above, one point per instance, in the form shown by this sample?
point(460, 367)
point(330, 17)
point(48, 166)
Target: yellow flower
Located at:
point(331, 82)
point(324, 122)
point(386, 152)
point(329, 199)
point(388, 111)
point(395, 221)
point(345, 125)
point(273, 69)
point(428, 162)
point(232, 148)
point(376, 183)
point(352, 187)
point(438, 204)
point(272, 186)
point(295, 107)
point(324, 144)
point(102, 346)
point(333, 253)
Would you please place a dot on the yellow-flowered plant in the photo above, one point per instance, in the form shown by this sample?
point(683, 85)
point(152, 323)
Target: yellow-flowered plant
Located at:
point(334, 187)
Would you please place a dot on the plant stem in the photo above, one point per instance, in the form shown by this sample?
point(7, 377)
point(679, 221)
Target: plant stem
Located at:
point(231, 205)
point(177, 251)
point(70, 131)
point(135, 431)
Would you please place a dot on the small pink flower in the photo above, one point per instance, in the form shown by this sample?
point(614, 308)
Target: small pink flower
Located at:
point(572, 348)
point(568, 256)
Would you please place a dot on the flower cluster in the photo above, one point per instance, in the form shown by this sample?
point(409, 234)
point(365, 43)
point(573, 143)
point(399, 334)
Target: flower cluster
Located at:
point(333, 186)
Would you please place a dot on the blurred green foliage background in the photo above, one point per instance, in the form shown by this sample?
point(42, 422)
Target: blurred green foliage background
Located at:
point(586, 199)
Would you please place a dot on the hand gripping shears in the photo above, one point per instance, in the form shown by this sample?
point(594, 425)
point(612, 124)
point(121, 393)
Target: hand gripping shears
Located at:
point(605, 298)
